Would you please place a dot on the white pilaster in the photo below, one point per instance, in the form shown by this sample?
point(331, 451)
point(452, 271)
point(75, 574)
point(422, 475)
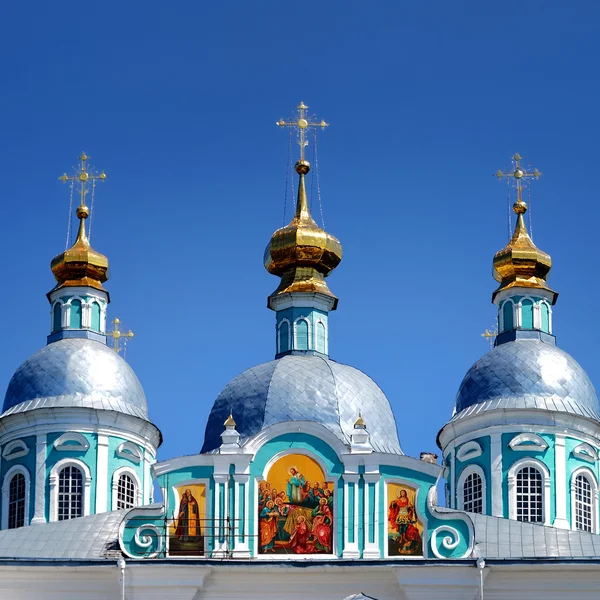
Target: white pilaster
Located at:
point(39, 505)
point(102, 475)
point(371, 549)
point(220, 519)
point(148, 460)
point(453, 476)
point(242, 547)
point(560, 482)
point(350, 548)
point(496, 474)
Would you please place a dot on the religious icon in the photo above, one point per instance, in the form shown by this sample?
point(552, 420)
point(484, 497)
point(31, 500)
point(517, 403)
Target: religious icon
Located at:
point(404, 530)
point(295, 508)
point(186, 534)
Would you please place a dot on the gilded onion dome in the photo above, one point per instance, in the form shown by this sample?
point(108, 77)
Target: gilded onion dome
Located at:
point(520, 263)
point(302, 253)
point(80, 265)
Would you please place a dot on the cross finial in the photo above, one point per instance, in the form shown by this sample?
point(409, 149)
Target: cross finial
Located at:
point(83, 175)
point(301, 125)
point(119, 338)
point(518, 174)
point(490, 336)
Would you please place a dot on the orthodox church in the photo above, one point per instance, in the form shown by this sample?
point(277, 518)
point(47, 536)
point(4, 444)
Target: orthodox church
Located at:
point(301, 486)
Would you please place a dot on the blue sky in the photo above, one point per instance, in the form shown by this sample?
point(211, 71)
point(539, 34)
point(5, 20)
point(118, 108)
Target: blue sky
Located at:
point(177, 102)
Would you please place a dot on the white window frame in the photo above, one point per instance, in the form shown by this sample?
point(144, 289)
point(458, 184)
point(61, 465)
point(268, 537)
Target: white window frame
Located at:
point(290, 334)
point(15, 470)
point(295, 333)
point(115, 486)
point(316, 333)
point(501, 324)
point(53, 481)
point(594, 485)
point(461, 484)
point(15, 449)
point(544, 301)
point(512, 487)
point(81, 443)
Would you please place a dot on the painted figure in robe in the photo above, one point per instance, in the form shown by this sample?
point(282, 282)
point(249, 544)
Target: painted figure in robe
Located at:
point(188, 520)
point(295, 486)
point(268, 517)
point(402, 519)
point(321, 526)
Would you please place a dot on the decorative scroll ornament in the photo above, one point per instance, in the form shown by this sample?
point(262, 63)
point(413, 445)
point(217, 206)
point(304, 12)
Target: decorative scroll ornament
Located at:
point(146, 541)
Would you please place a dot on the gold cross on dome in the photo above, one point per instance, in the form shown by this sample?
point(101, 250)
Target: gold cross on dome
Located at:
point(490, 336)
point(518, 173)
point(119, 338)
point(301, 125)
point(84, 176)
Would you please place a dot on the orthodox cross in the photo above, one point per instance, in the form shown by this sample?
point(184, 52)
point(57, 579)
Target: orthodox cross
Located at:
point(119, 337)
point(490, 336)
point(83, 176)
point(301, 125)
point(518, 174)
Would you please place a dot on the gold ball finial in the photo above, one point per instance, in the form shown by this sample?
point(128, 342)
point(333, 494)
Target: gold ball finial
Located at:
point(520, 207)
point(302, 167)
point(83, 212)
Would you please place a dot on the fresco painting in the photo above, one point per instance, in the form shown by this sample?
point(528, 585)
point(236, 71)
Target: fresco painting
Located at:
point(295, 508)
point(186, 531)
point(405, 532)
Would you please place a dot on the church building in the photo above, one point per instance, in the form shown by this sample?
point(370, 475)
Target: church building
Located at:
point(301, 488)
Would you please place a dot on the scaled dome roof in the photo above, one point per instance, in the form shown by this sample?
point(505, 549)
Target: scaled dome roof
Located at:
point(76, 373)
point(526, 374)
point(304, 388)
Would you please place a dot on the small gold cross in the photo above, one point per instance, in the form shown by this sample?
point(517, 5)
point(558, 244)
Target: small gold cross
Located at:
point(301, 125)
point(518, 174)
point(83, 176)
point(490, 336)
point(119, 337)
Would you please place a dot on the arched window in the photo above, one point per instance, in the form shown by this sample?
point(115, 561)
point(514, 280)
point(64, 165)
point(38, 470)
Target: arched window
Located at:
point(57, 317)
point(95, 316)
point(75, 320)
point(126, 492)
point(16, 501)
point(284, 336)
point(527, 314)
point(70, 493)
point(473, 493)
point(529, 495)
point(583, 504)
point(321, 337)
point(302, 334)
point(507, 316)
point(545, 316)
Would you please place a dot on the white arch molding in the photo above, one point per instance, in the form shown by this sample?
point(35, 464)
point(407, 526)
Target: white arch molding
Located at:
point(15, 470)
point(53, 481)
point(115, 486)
point(588, 473)
point(512, 487)
point(309, 330)
point(15, 449)
point(279, 326)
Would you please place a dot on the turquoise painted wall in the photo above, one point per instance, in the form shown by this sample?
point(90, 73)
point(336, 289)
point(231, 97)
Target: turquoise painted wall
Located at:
point(483, 461)
point(311, 316)
point(89, 457)
point(510, 456)
point(27, 461)
point(116, 462)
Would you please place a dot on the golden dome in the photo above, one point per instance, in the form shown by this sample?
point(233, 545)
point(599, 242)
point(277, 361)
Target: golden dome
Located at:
point(80, 265)
point(521, 263)
point(302, 253)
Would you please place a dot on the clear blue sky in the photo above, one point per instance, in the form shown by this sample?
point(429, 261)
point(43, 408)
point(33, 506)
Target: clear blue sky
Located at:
point(178, 102)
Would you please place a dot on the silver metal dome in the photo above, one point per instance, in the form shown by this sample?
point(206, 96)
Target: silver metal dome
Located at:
point(75, 373)
point(304, 388)
point(526, 374)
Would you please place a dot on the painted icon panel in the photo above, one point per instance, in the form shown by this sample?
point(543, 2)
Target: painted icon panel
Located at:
point(295, 508)
point(187, 529)
point(405, 532)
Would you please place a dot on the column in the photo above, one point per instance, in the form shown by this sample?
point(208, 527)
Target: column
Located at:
point(351, 515)
point(242, 514)
point(39, 505)
point(102, 486)
point(560, 484)
point(496, 474)
point(371, 503)
point(220, 531)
